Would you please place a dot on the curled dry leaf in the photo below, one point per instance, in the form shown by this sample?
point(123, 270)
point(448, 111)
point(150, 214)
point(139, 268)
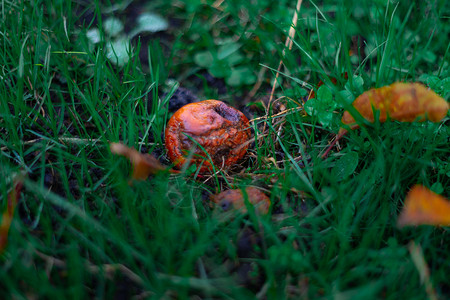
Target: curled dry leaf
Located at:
point(8, 214)
point(423, 207)
point(404, 102)
point(221, 130)
point(143, 164)
point(235, 199)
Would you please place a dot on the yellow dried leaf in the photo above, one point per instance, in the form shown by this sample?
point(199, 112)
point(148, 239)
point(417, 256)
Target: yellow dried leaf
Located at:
point(424, 207)
point(404, 102)
point(8, 214)
point(143, 164)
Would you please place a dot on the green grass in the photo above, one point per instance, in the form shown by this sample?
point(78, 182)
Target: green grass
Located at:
point(81, 231)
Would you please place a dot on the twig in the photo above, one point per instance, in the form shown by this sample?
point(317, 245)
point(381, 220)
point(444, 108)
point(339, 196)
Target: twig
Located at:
point(70, 140)
point(257, 85)
point(422, 267)
point(333, 142)
point(110, 269)
point(295, 109)
point(289, 43)
point(217, 4)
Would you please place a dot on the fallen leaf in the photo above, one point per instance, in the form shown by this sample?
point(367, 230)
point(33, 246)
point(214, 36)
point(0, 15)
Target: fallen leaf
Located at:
point(404, 102)
point(424, 207)
point(8, 214)
point(143, 164)
point(235, 199)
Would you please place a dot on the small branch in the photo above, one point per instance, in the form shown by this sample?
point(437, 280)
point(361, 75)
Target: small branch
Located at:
point(70, 140)
point(288, 44)
point(336, 139)
point(422, 267)
point(109, 270)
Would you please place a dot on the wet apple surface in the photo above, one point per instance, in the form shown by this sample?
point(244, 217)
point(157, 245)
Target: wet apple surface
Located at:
point(212, 131)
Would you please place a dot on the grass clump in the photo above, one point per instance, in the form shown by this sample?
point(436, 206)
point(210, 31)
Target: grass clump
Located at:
point(80, 230)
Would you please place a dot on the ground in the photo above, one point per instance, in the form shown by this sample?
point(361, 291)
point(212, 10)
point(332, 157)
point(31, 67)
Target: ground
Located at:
point(83, 229)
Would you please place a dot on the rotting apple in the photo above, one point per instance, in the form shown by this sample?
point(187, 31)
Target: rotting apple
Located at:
point(215, 132)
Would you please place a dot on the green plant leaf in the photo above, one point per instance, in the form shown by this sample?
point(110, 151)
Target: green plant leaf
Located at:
point(241, 76)
point(150, 22)
point(296, 92)
point(310, 106)
point(346, 97)
point(445, 83)
point(322, 106)
point(93, 35)
point(324, 94)
point(437, 187)
point(234, 59)
point(432, 81)
point(204, 59)
point(357, 85)
point(219, 69)
point(345, 165)
point(429, 56)
point(117, 51)
point(226, 50)
point(113, 26)
point(325, 118)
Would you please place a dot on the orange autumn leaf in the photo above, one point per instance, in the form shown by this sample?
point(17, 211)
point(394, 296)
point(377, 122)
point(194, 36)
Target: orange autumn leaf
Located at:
point(235, 199)
point(8, 214)
point(404, 102)
point(424, 207)
point(143, 164)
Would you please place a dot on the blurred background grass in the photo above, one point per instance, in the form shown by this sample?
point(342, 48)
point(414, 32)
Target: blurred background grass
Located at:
point(69, 85)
